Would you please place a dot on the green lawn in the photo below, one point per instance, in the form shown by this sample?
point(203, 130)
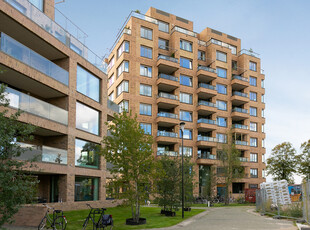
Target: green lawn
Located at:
point(223, 205)
point(120, 214)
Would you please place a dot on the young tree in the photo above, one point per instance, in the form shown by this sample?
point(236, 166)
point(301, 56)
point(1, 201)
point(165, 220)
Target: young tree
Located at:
point(282, 163)
point(303, 160)
point(188, 181)
point(130, 151)
point(16, 186)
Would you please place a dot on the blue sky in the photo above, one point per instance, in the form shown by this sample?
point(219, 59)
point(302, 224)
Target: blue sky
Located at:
point(276, 29)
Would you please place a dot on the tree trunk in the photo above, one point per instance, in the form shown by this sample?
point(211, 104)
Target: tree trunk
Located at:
point(137, 204)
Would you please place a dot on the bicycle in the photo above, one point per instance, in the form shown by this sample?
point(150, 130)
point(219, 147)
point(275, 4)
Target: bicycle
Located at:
point(102, 222)
point(59, 221)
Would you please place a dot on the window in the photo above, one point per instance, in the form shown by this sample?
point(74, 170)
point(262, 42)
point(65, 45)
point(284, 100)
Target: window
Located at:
point(86, 188)
point(145, 71)
point(234, 65)
point(145, 90)
point(253, 173)
point(111, 80)
point(186, 116)
point(163, 26)
point(263, 143)
point(222, 138)
point(263, 128)
point(263, 83)
point(145, 109)
point(221, 105)
point(147, 128)
point(186, 63)
point(253, 111)
point(87, 84)
point(263, 173)
point(111, 63)
point(253, 142)
point(123, 106)
point(253, 185)
point(186, 98)
point(221, 121)
point(185, 80)
point(252, 66)
point(146, 52)
point(201, 55)
point(186, 45)
point(163, 44)
point(122, 87)
point(253, 96)
point(111, 96)
point(253, 81)
point(87, 119)
point(221, 88)
point(187, 151)
point(253, 126)
point(220, 56)
point(187, 134)
point(124, 67)
point(221, 72)
point(37, 3)
point(86, 154)
point(263, 98)
point(123, 48)
point(253, 157)
point(146, 33)
point(263, 113)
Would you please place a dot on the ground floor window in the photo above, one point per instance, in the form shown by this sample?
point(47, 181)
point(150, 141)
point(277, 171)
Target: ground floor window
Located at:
point(238, 187)
point(86, 188)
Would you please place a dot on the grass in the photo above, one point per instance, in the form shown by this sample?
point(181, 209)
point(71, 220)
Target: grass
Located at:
point(222, 205)
point(120, 214)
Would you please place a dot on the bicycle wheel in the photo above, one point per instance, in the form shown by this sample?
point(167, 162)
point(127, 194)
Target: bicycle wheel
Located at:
point(60, 223)
point(42, 223)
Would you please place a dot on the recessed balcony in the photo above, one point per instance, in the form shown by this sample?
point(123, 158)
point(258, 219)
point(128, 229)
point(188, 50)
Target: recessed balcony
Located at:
point(243, 143)
point(166, 64)
point(167, 82)
point(206, 108)
point(238, 98)
point(166, 137)
point(238, 114)
point(167, 100)
point(206, 91)
point(166, 119)
point(239, 126)
point(239, 82)
point(167, 153)
point(206, 74)
point(206, 125)
point(206, 141)
point(243, 159)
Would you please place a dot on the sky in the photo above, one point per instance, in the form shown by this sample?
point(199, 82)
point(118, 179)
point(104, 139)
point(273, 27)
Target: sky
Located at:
point(276, 29)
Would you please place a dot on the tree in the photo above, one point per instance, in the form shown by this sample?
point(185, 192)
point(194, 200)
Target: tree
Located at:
point(16, 186)
point(188, 181)
point(304, 160)
point(282, 162)
point(130, 151)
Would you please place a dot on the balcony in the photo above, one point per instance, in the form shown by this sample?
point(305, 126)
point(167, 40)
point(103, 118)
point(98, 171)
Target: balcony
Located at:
point(239, 82)
point(239, 98)
point(165, 137)
point(238, 114)
point(112, 108)
point(32, 59)
point(36, 107)
point(167, 100)
point(243, 159)
point(206, 91)
point(206, 141)
point(223, 44)
point(239, 126)
point(50, 26)
point(167, 153)
point(206, 108)
point(167, 65)
point(244, 143)
point(165, 119)
point(206, 156)
point(248, 52)
point(43, 153)
point(167, 82)
point(206, 74)
point(206, 125)
point(184, 31)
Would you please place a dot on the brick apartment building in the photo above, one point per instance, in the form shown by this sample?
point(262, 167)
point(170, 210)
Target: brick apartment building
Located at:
point(61, 86)
point(166, 73)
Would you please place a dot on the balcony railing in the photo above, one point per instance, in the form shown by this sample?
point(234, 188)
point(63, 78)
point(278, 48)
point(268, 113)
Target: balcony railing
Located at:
point(167, 153)
point(42, 20)
point(206, 103)
point(32, 59)
point(202, 43)
point(168, 115)
point(168, 95)
point(241, 142)
point(243, 159)
point(42, 154)
point(206, 156)
point(164, 57)
point(239, 110)
point(223, 44)
point(113, 106)
point(204, 138)
point(206, 68)
point(207, 86)
point(166, 134)
point(239, 126)
point(240, 78)
point(168, 77)
point(248, 52)
point(206, 121)
point(36, 107)
point(237, 93)
point(184, 31)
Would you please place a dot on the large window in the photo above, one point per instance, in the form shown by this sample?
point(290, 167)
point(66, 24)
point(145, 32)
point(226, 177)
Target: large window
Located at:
point(123, 106)
point(201, 55)
point(86, 154)
point(253, 111)
point(253, 96)
point(220, 56)
point(145, 90)
point(145, 71)
point(186, 98)
point(147, 128)
point(222, 138)
point(163, 26)
point(86, 189)
point(186, 45)
point(253, 126)
point(221, 72)
point(252, 66)
point(188, 134)
point(163, 44)
point(123, 48)
point(187, 151)
point(87, 84)
point(37, 3)
point(122, 87)
point(146, 33)
point(253, 81)
point(124, 67)
point(253, 142)
point(222, 89)
point(186, 63)
point(221, 121)
point(146, 52)
point(111, 80)
point(145, 109)
point(111, 63)
point(87, 119)
point(112, 96)
point(253, 173)
point(185, 80)
point(221, 105)
point(186, 116)
point(253, 157)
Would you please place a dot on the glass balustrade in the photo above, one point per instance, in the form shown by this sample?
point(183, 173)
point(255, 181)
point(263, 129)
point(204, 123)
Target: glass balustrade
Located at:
point(206, 68)
point(166, 114)
point(206, 121)
point(166, 134)
point(164, 57)
point(168, 77)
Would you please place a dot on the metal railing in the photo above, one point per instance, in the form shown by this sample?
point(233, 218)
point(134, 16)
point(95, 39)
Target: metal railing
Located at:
point(206, 121)
point(113, 106)
point(168, 115)
point(205, 138)
point(240, 78)
point(206, 156)
point(223, 44)
point(237, 93)
point(168, 77)
point(206, 103)
point(202, 43)
point(239, 126)
point(167, 58)
point(239, 110)
point(168, 96)
point(184, 31)
point(162, 133)
point(206, 86)
point(241, 143)
point(167, 153)
point(201, 67)
point(248, 52)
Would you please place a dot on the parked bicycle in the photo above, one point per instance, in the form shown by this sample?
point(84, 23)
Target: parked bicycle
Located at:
point(101, 222)
point(57, 222)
